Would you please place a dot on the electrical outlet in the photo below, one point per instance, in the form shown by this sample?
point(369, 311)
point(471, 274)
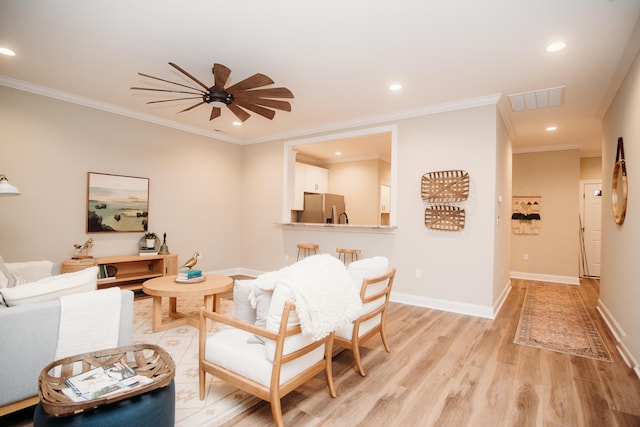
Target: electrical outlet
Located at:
point(286, 258)
point(418, 273)
point(525, 257)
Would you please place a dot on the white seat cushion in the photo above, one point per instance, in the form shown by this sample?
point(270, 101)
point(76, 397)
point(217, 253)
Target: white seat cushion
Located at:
point(229, 349)
point(346, 331)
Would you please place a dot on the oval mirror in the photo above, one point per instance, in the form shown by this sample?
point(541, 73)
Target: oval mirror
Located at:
point(619, 186)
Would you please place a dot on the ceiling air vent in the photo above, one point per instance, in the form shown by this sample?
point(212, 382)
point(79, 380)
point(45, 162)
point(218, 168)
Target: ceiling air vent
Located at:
point(537, 99)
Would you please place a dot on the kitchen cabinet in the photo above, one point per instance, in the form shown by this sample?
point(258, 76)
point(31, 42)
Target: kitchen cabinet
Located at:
point(316, 179)
point(385, 199)
point(309, 179)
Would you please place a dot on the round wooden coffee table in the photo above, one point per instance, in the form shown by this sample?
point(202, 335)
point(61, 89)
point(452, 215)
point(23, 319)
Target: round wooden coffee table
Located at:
point(167, 286)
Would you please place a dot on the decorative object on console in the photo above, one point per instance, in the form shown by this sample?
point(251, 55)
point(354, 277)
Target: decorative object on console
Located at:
point(150, 239)
point(238, 98)
point(7, 189)
point(149, 244)
point(117, 203)
point(81, 251)
point(191, 262)
point(619, 186)
point(164, 249)
point(443, 188)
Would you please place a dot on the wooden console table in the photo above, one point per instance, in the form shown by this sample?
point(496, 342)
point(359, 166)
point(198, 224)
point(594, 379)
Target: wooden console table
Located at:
point(129, 271)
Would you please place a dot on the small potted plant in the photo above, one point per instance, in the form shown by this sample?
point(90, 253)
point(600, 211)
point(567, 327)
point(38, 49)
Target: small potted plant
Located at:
point(151, 239)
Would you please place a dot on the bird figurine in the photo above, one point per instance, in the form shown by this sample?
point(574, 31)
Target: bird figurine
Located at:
point(192, 261)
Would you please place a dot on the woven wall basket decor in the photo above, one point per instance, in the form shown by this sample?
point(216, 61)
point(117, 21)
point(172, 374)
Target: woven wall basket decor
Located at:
point(445, 218)
point(445, 186)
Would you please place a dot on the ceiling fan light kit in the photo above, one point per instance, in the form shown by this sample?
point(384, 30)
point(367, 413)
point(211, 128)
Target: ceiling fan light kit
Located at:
point(249, 94)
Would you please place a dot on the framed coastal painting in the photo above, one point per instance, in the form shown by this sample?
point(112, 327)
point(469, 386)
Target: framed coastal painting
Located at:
point(117, 203)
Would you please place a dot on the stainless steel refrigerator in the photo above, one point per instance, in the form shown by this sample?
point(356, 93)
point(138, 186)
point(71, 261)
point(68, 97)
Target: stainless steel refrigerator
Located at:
point(322, 208)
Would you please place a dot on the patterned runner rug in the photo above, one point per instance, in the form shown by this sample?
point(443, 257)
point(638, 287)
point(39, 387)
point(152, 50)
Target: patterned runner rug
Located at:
point(554, 317)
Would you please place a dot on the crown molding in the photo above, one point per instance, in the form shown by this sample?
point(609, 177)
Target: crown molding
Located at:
point(110, 108)
point(385, 118)
point(368, 121)
point(541, 148)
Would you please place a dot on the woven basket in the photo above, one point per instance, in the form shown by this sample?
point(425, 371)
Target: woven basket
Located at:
point(445, 186)
point(145, 359)
point(446, 218)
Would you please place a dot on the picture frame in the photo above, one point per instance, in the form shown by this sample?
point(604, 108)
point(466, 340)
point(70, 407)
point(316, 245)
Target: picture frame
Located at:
point(117, 203)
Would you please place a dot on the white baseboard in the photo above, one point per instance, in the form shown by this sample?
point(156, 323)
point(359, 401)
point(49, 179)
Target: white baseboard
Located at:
point(435, 303)
point(444, 305)
point(618, 334)
point(497, 306)
point(569, 280)
point(236, 271)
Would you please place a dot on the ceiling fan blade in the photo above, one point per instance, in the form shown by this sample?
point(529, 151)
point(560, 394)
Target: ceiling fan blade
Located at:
point(220, 76)
point(239, 112)
point(192, 107)
point(257, 80)
point(264, 112)
point(271, 103)
point(166, 90)
point(169, 81)
point(175, 99)
point(272, 92)
point(215, 112)
point(177, 67)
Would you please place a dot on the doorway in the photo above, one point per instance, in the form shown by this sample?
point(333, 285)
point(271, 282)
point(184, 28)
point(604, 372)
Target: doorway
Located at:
point(590, 227)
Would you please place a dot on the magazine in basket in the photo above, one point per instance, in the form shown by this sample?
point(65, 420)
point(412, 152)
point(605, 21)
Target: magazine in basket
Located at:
point(103, 381)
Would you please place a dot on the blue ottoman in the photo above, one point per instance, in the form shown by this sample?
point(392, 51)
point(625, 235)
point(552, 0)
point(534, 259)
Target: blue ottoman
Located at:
point(155, 408)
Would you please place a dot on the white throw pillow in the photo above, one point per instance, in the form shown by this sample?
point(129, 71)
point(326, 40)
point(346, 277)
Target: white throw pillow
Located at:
point(263, 301)
point(52, 287)
point(7, 278)
point(31, 271)
point(242, 309)
point(282, 294)
point(367, 268)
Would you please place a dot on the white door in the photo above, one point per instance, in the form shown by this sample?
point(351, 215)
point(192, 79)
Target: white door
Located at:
point(591, 226)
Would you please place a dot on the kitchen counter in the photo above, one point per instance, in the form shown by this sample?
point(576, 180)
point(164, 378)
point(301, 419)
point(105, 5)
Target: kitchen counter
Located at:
point(345, 228)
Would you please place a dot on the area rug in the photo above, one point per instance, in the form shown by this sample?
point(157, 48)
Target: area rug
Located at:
point(222, 400)
point(554, 317)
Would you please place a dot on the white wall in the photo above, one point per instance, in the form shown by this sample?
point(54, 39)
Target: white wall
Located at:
point(48, 146)
point(457, 268)
point(502, 236)
point(619, 288)
point(225, 200)
point(553, 253)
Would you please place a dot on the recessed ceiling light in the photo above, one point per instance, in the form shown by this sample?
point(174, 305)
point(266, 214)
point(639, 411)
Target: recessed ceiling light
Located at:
point(552, 128)
point(338, 153)
point(7, 51)
point(237, 123)
point(395, 86)
point(556, 46)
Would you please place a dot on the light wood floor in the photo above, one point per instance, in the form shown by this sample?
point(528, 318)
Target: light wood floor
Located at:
point(447, 369)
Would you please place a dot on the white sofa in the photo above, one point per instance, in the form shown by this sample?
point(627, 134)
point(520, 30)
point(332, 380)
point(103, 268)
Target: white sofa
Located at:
point(30, 324)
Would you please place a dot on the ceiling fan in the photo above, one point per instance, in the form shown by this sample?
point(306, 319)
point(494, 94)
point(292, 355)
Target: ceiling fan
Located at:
point(238, 98)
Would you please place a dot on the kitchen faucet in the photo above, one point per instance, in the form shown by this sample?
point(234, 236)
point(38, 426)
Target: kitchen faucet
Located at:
point(346, 218)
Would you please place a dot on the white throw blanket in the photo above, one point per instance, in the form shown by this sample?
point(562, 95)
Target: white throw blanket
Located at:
point(324, 295)
point(89, 321)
